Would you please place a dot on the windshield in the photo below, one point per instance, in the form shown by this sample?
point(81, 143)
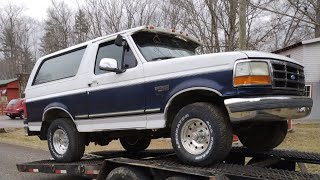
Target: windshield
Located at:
point(13, 102)
point(157, 46)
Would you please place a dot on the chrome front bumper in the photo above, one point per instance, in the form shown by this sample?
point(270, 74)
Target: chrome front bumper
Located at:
point(273, 108)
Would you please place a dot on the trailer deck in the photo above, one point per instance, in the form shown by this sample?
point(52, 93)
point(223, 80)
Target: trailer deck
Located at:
point(276, 164)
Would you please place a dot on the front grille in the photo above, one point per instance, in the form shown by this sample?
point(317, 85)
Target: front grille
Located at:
point(287, 76)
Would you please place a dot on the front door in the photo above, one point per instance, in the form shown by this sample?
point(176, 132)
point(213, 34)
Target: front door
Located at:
point(117, 101)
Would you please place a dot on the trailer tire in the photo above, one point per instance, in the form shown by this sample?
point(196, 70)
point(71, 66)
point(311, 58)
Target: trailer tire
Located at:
point(264, 136)
point(65, 143)
point(201, 134)
point(135, 143)
point(124, 173)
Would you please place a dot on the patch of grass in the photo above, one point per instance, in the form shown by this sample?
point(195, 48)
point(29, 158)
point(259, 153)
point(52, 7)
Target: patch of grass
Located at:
point(305, 137)
point(18, 137)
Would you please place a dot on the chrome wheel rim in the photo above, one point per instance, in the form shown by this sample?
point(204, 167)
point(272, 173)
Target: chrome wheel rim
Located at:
point(60, 141)
point(195, 136)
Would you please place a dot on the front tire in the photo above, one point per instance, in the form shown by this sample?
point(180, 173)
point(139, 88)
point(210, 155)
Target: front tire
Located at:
point(263, 136)
point(65, 143)
point(135, 143)
point(201, 134)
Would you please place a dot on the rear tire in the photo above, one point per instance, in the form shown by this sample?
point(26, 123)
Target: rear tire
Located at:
point(65, 143)
point(126, 173)
point(135, 143)
point(201, 134)
point(263, 136)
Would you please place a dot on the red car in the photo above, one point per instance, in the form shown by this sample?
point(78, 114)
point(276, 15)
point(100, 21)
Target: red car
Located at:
point(15, 108)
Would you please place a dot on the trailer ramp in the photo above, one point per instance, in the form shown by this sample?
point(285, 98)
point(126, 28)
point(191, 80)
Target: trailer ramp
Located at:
point(276, 164)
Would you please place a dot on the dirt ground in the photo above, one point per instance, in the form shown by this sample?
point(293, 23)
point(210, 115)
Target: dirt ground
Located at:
point(304, 137)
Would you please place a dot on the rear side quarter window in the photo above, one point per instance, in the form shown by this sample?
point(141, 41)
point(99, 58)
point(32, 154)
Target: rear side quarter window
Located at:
point(59, 67)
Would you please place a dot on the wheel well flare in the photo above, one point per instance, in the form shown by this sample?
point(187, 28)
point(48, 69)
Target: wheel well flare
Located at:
point(49, 116)
point(177, 102)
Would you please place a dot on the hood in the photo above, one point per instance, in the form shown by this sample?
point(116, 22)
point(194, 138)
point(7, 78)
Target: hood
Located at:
point(259, 54)
point(196, 64)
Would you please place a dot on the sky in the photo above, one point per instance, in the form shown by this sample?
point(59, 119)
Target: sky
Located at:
point(35, 8)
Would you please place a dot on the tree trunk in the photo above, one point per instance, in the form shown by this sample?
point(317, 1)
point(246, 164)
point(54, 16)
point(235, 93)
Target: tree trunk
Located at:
point(232, 24)
point(317, 26)
point(242, 24)
point(212, 4)
point(216, 35)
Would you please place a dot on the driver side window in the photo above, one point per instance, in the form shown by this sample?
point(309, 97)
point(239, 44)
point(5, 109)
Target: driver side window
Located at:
point(110, 50)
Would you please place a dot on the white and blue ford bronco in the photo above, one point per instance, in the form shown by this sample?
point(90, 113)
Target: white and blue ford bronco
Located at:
point(147, 83)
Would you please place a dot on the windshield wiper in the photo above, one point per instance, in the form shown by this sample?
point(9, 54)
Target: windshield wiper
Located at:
point(162, 58)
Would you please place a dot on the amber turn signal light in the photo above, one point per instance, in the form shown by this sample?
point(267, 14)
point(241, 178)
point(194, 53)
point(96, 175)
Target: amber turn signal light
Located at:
point(252, 80)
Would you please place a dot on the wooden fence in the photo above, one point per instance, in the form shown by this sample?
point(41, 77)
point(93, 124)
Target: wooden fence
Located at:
point(2, 107)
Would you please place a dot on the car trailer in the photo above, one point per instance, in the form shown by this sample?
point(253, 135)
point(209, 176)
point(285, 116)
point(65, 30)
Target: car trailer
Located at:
point(163, 164)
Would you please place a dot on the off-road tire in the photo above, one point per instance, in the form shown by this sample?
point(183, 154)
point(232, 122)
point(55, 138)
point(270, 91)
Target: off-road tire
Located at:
point(220, 130)
point(135, 143)
point(263, 136)
point(125, 173)
point(76, 145)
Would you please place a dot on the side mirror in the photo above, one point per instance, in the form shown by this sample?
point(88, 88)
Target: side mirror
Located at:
point(119, 40)
point(109, 64)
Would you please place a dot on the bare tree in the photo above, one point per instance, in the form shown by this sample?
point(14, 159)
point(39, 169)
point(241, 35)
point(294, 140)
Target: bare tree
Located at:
point(171, 15)
point(92, 11)
point(306, 11)
point(81, 27)
point(222, 25)
point(58, 28)
point(15, 41)
point(242, 24)
point(231, 7)
point(317, 28)
point(214, 35)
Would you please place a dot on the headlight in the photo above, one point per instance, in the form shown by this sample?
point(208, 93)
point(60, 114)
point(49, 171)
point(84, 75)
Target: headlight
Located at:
point(251, 73)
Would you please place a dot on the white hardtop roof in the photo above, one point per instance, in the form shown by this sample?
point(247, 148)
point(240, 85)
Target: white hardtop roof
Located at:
point(131, 31)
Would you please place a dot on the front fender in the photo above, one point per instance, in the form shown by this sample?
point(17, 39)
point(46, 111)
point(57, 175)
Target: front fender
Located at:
point(190, 85)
